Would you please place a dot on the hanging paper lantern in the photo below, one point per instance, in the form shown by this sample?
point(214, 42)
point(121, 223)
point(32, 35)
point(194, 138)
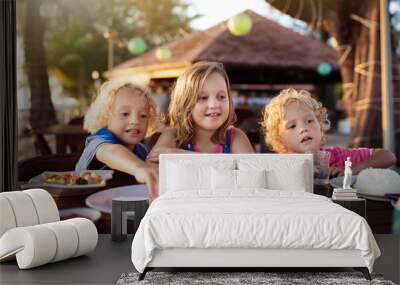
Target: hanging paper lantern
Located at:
point(240, 25)
point(333, 43)
point(95, 74)
point(163, 53)
point(137, 46)
point(324, 69)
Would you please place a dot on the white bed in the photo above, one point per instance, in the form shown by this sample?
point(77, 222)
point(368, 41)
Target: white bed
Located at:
point(247, 211)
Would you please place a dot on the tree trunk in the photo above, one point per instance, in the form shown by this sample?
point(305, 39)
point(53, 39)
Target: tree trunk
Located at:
point(42, 110)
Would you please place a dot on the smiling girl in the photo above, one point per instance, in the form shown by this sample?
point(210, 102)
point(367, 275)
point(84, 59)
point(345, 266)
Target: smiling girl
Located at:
point(201, 115)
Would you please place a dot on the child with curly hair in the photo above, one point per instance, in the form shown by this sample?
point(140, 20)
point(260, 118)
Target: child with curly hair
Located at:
point(201, 115)
point(294, 122)
point(120, 117)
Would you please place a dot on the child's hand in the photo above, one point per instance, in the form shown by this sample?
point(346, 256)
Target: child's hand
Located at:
point(153, 156)
point(148, 174)
point(336, 171)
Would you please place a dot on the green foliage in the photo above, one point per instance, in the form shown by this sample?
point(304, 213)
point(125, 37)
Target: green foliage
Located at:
point(160, 21)
point(75, 41)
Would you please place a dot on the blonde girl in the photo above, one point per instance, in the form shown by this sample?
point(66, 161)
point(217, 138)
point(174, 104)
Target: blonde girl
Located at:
point(201, 115)
point(294, 122)
point(121, 116)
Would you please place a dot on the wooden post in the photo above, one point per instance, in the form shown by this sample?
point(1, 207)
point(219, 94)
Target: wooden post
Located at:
point(386, 79)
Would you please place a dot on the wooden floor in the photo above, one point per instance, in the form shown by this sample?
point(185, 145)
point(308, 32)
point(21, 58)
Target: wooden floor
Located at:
point(110, 259)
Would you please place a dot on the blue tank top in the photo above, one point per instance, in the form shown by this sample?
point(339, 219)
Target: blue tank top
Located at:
point(102, 136)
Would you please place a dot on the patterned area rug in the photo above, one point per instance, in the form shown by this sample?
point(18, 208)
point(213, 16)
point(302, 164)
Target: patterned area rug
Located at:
point(230, 278)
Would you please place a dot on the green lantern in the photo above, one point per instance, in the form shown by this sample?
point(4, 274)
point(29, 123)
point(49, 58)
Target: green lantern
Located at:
point(163, 53)
point(240, 25)
point(324, 69)
point(137, 46)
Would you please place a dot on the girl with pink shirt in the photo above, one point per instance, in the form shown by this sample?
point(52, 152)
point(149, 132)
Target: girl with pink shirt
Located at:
point(294, 122)
point(201, 115)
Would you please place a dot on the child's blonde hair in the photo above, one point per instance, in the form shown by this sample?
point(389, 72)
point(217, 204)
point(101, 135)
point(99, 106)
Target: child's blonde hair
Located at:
point(185, 95)
point(274, 113)
point(101, 109)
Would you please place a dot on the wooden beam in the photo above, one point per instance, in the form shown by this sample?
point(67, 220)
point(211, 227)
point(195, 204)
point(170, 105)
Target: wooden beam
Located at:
point(386, 79)
point(163, 70)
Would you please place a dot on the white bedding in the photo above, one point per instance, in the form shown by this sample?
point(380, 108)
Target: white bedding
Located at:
point(252, 218)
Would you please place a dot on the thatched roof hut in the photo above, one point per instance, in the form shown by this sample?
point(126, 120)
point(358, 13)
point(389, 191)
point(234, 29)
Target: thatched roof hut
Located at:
point(269, 54)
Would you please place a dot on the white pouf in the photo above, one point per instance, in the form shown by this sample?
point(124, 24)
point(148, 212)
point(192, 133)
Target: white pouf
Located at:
point(378, 182)
point(40, 244)
point(45, 205)
point(31, 231)
point(7, 216)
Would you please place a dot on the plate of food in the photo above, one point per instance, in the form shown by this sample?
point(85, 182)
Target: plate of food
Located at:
point(69, 183)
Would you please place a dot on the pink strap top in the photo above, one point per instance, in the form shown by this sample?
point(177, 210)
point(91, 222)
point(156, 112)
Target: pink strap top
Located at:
point(223, 148)
point(339, 155)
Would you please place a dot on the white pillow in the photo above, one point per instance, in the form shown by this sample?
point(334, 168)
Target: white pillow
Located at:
point(223, 179)
point(183, 177)
point(251, 179)
point(227, 179)
point(190, 176)
point(282, 180)
point(282, 174)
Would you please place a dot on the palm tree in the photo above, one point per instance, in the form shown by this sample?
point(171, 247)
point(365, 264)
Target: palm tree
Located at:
point(42, 110)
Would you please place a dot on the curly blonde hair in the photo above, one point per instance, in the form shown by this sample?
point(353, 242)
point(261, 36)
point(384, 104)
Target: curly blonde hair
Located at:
point(100, 110)
point(275, 110)
point(185, 95)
